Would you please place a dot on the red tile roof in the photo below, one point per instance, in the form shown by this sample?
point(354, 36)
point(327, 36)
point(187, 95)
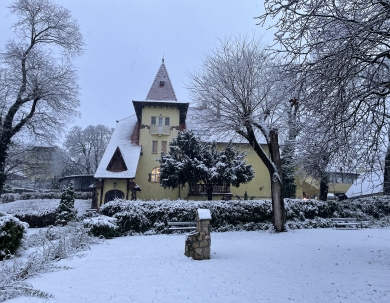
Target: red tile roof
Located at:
point(162, 88)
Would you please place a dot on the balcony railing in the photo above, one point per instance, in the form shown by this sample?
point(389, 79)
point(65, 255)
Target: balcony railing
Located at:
point(160, 130)
point(201, 189)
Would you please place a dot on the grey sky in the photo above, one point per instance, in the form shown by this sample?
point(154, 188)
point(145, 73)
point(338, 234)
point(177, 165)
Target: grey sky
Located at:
point(126, 40)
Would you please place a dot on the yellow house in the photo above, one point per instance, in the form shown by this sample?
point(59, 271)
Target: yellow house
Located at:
point(129, 168)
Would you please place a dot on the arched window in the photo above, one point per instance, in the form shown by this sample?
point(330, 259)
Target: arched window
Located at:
point(155, 175)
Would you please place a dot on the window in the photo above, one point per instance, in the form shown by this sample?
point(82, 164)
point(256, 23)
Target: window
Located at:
point(162, 83)
point(154, 147)
point(160, 120)
point(164, 146)
point(155, 175)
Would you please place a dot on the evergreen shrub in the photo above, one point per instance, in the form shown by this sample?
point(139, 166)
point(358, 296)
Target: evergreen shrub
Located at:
point(12, 231)
point(102, 226)
point(66, 211)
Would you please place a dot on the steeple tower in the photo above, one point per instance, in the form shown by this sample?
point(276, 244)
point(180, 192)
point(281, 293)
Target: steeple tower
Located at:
point(162, 89)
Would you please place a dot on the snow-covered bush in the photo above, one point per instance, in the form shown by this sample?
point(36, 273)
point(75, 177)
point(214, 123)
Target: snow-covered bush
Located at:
point(66, 211)
point(51, 245)
point(102, 226)
point(141, 216)
point(132, 221)
point(12, 231)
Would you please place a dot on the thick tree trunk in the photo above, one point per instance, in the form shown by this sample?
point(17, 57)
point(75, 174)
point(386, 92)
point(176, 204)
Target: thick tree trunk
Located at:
point(274, 168)
point(386, 172)
point(324, 187)
point(3, 159)
point(276, 184)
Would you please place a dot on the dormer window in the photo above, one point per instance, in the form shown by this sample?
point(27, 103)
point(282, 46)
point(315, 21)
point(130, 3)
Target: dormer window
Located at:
point(162, 83)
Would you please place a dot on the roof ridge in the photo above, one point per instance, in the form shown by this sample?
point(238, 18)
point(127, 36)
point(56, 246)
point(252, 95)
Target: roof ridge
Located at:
point(162, 88)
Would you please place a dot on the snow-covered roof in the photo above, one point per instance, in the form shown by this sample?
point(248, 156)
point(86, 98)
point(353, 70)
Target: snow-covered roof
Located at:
point(366, 185)
point(207, 133)
point(161, 88)
point(130, 151)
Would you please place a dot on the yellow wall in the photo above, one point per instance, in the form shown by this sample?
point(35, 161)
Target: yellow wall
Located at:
point(312, 187)
point(121, 184)
point(147, 161)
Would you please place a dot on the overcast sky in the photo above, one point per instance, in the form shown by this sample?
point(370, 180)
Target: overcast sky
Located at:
point(126, 40)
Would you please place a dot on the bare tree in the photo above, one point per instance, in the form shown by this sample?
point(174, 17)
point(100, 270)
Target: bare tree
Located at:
point(86, 147)
point(340, 52)
point(238, 88)
point(38, 82)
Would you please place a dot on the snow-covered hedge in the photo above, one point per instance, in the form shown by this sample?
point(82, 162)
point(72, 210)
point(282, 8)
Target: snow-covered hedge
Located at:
point(40, 212)
point(142, 216)
point(102, 226)
point(10, 197)
point(11, 234)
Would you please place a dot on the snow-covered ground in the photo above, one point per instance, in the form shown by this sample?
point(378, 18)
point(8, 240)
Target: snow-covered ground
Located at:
point(313, 265)
point(38, 206)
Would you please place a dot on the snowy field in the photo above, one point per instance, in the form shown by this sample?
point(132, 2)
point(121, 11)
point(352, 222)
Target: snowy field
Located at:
point(39, 206)
point(314, 265)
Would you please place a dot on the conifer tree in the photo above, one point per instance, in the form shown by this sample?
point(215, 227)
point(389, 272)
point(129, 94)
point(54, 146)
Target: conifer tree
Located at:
point(192, 161)
point(66, 211)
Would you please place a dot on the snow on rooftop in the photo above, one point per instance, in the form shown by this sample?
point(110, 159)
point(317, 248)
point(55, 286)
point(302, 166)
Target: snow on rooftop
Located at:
point(204, 214)
point(162, 101)
point(366, 185)
point(130, 152)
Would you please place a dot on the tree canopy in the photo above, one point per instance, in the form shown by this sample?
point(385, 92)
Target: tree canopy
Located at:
point(38, 82)
point(191, 161)
point(242, 92)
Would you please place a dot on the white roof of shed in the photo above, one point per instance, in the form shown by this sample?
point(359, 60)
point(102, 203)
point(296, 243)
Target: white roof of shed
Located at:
point(366, 185)
point(130, 151)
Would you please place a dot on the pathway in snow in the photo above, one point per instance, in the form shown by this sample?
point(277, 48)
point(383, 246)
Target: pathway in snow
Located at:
point(317, 265)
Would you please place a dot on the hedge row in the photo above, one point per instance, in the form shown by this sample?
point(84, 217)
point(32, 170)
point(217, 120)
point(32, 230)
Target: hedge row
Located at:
point(139, 216)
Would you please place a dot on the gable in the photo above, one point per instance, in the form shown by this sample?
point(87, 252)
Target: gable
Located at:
point(117, 164)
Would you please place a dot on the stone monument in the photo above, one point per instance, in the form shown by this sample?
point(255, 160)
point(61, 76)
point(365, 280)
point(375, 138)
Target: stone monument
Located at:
point(198, 243)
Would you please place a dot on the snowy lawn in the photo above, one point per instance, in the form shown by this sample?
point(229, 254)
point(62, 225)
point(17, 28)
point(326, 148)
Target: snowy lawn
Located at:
point(314, 265)
point(39, 206)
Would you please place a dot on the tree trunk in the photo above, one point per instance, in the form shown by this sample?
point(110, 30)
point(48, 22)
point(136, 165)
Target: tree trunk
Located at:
point(386, 172)
point(324, 187)
point(276, 183)
point(209, 193)
point(3, 159)
point(274, 168)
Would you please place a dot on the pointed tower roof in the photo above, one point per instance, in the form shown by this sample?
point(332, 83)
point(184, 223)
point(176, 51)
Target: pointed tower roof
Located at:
point(162, 88)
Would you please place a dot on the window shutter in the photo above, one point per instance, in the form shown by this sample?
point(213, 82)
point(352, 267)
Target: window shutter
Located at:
point(150, 177)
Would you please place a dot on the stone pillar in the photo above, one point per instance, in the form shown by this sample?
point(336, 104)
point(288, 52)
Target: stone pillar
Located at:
point(198, 243)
